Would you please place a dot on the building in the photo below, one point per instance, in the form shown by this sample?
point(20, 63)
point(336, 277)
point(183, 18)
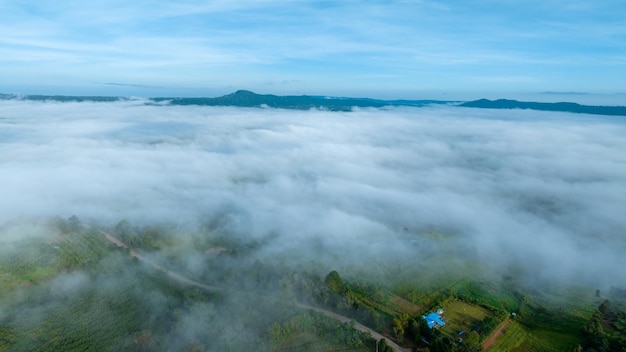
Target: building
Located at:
point(434, 320)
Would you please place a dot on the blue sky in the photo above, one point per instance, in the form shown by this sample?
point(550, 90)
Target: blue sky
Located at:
point(386, 49)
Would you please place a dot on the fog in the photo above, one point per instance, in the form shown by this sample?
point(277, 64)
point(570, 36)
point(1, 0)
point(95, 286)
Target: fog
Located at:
point(541, 191)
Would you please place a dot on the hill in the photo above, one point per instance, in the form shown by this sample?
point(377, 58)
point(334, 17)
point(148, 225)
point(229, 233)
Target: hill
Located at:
point(246, 98)
point(565, 107)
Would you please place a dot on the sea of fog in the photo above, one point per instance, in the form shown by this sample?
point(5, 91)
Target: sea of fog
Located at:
point(541, 191)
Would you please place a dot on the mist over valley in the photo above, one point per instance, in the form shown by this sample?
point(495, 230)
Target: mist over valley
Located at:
point(253, 202)
point(313, 176)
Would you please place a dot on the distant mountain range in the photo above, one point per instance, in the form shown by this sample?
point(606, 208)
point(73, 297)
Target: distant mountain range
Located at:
point(565, 107)
point(300, 102)
point(62, 98)
point(244, 98)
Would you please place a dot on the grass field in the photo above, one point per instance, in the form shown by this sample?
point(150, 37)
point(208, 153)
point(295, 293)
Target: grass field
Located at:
point(515, 339)
point(461, 316)
point(401, 305)
point(519, 338)
point(308, 342)
point(384, 300)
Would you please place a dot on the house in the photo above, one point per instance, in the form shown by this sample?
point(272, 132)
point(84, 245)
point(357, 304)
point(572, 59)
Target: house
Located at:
point(434, 320)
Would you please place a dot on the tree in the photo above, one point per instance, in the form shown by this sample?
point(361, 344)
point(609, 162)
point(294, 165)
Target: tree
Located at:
point(383, 347)
point(487, 325)
point(398, 327)
point(441, 344)
point(73, 223)
point(334, 282)
point(414, 328)
point(425, 331)
point(594, 333)
point(471, 343)
point(604, 307)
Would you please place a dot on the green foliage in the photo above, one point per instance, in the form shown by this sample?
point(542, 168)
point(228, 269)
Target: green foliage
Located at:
point(515, 338)
point(85, 319)
point(489, 295)
point(471, 343)
point(8, 337)
point(519, 337)
point(604, 307)
point(463, 316)
point(82, 249)
point(325, 329)
point(606, 329)
point(441, 344)
point(424, 331)
point(384, 347)
point(334, 282)
point(148, 238)
point(487, 325)
point(28, 262)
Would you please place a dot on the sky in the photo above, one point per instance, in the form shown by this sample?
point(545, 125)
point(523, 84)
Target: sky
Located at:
point(540, 191)
point(416, 49)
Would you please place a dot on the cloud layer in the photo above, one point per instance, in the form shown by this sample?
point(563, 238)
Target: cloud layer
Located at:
point(542, 191)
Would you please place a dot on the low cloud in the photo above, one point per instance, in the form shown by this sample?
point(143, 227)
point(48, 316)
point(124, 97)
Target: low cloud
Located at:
point(538, 190)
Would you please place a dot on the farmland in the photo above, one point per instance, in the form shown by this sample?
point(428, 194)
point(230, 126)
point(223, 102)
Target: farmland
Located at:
point(462, 316)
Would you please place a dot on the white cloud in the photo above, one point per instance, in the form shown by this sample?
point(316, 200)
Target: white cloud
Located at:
point(542, 189)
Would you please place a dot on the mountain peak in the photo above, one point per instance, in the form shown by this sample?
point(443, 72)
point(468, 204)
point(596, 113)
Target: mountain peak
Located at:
point(243, 93)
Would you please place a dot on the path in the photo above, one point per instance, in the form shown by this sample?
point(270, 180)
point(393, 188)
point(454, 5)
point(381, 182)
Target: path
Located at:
point(357, 326)
point(491, 340)
point(180, 278)
point(172, 274)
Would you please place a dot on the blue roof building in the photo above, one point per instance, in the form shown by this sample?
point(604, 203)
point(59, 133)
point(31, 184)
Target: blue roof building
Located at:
point(433, 319)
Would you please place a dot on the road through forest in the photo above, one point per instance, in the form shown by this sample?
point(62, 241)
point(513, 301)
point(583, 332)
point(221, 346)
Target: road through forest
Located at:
point(180, 278)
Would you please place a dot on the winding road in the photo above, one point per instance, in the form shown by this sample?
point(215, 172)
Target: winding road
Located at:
point(180, 278)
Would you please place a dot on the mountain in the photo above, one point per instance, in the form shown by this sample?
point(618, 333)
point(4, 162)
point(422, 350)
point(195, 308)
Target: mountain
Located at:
point(63, 98)
point(566, 107)
point(246, 98)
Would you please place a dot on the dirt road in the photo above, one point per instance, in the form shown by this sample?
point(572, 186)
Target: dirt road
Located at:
point(357, 326)
point(491, 340)
point(172, 274)
point(180, 278)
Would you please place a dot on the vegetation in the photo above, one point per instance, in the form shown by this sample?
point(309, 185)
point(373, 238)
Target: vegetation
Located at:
point(309, 330)
point(568, 107)
point(606, 329)
point(462, 316)
point(72, 289)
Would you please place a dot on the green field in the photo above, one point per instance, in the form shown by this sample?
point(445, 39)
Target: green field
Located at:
point(520, 338)
point(461, 316)
point(515, 338)
point(313, 332)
